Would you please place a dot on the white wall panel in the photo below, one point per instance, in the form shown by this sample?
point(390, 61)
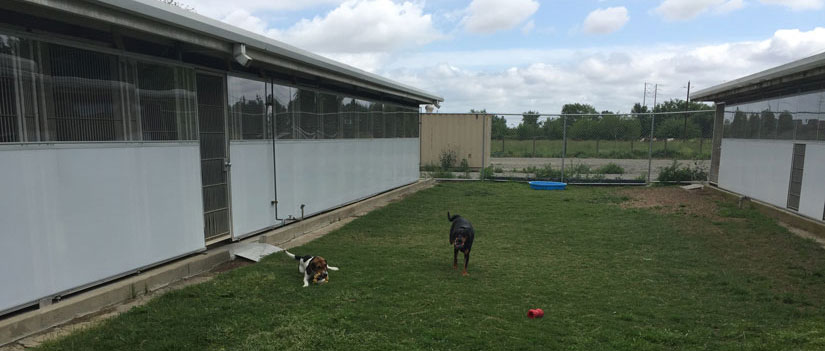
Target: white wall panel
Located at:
point(760, 169)
point(74, 214)
point(252, 186)
point(812, 201)
point(324, 174)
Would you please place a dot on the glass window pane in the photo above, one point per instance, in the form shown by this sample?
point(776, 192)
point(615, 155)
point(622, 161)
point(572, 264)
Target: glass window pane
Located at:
point(247, 108)
point(85, 101)
point(411, 125)
point(17, 74)
point(165, 102)
point(389, 121)
point(377, 115)
point(349, 117)
point(364, 119)
point(330, 117)
point(308, 123)
point(284, 106)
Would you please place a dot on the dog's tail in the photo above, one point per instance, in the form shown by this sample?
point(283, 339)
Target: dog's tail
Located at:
point(290, 254)
point(451, 218)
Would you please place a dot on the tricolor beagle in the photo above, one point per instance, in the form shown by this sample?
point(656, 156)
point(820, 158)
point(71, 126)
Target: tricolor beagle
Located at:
point(314, 268)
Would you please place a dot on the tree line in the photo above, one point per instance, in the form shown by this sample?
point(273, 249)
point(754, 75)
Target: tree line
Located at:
point(584, 122)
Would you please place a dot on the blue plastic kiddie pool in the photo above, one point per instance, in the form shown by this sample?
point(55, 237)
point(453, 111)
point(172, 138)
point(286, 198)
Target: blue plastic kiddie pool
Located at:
point(547, 185)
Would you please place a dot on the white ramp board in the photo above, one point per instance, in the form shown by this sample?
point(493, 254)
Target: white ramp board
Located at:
point(253, 251)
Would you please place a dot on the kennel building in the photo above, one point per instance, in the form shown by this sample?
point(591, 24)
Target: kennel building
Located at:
point(134, 132)
point(769, 136)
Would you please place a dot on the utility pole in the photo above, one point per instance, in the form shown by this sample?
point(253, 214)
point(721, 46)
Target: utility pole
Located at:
point(687, 103)
point(644, 96)
point(650, 146)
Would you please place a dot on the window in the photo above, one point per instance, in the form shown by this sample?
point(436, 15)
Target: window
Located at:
point(349, 118)
point(84, 102)
point(166, 100)
point(799, 117)
point(308, 122)
point(411, 124)
point(389, 121)
point(51, 92)
point(364, 119)
point(17, 72)
point(376, 112)
point(285, 104)
point(330, 117)
point(247, 109)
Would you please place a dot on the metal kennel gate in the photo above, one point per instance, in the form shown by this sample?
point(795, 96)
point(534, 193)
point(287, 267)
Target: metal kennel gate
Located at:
point(214, 156)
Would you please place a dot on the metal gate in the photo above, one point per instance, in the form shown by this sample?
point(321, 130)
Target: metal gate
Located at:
point(214, 156)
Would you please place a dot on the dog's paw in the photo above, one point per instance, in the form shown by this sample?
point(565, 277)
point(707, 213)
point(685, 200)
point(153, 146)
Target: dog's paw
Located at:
point(465, 274)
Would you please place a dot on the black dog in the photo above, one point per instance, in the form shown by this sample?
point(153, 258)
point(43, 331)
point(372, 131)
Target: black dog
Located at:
point(461, 237)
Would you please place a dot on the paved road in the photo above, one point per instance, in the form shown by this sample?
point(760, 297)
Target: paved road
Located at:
point(633, 168)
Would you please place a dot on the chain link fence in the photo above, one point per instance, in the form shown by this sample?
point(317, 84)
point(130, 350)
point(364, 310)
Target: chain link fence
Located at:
point(604, 148)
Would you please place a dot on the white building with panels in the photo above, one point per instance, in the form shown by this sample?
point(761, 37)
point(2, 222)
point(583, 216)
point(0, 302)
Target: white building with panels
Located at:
point(769, 136)
point(133, 133)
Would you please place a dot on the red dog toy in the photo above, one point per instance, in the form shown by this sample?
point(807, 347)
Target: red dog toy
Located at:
point(535, 313)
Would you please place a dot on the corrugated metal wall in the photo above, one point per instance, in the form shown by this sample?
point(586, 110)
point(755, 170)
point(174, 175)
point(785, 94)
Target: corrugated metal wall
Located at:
point(466, 134)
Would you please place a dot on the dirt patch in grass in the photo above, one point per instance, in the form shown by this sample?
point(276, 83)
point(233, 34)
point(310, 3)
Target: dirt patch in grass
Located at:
point(673, 199)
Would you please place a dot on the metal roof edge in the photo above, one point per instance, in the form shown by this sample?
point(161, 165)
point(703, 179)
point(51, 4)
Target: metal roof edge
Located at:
point(793, 67)
point(172, 15)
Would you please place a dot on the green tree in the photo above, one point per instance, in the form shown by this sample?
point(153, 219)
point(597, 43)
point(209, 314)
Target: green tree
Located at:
point(530, 118)
point(553, 128)
point(499, 127)
point(573, 112)
point(674, 128)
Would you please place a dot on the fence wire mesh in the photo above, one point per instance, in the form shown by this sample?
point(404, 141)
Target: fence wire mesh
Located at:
point(602, 148)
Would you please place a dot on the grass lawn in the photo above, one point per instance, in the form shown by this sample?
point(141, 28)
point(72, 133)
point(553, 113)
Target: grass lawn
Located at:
point(690, 149)
point(606, 277)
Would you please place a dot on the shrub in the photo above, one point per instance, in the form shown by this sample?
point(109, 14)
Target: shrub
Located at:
point(610, 168)
point(465, 166)
point(498, 170)
point(677, 173)
point(447, 159)
point(487, 172)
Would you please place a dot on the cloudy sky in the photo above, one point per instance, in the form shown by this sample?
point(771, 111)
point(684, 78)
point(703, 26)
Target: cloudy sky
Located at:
point(510, 56)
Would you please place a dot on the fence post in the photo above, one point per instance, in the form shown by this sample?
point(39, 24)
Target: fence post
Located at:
point(650, 149)
point(563, 144)
point(502, 145)
point(534, 146)
point(701, 143)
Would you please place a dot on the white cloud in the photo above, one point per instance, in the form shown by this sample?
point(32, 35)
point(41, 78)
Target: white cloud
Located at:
point(489, 16)
point(528, 27)
point(604, 21)
point(359, 26)
point(797, 5)
point(678, 10)
point(608, 78)
point(220, 8)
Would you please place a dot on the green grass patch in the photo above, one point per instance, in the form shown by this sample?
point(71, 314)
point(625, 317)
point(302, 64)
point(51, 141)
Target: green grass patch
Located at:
point(607, 278)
